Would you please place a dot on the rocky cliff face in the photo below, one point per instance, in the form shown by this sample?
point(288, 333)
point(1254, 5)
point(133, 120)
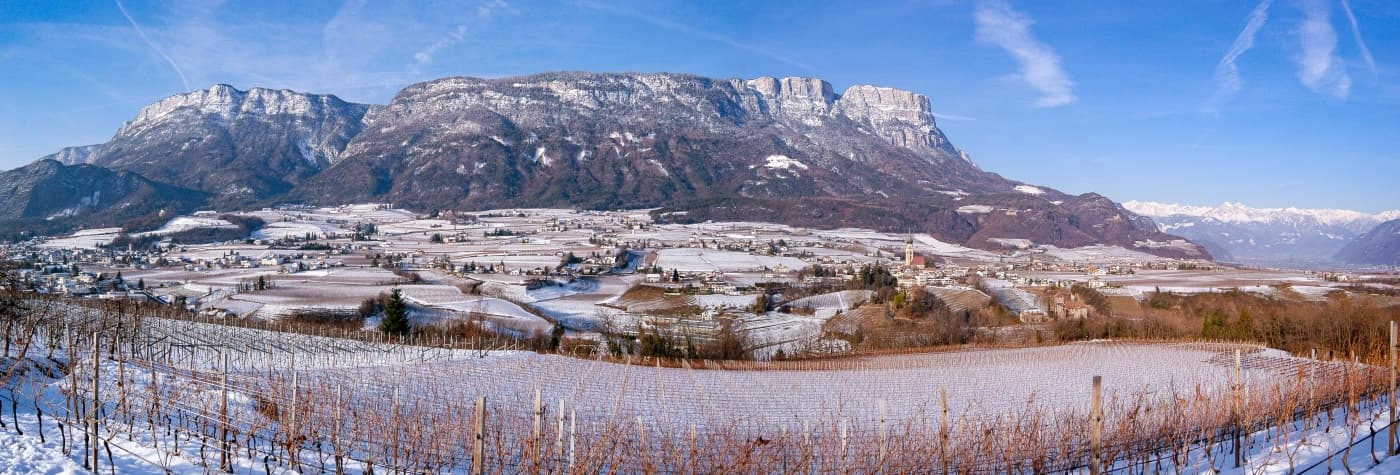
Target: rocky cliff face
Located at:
point(664, 133)
point(779, 149)
point(244, 145)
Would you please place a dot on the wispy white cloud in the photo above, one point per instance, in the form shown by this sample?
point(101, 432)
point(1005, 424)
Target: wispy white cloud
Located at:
point(1000, 25)
point(154, 46)
point(1227, 74)
point(692, 31)
point(1319, 69)
point(1356, 34)
point(425, 55)
point(942, 116)
point(458, 33)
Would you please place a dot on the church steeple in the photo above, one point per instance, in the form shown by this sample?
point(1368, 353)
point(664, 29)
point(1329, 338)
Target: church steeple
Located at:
point(909, 250)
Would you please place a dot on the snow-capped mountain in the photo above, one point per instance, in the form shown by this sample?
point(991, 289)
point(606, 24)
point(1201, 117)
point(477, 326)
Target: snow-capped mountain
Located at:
point(787, 150)
point(242, 145)
point(1272, 236)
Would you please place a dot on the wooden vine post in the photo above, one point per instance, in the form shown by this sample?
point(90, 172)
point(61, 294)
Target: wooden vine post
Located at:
point(335, 432)
point(559, 436)
point(1393, 336)
point(95, 409)
point(1238, 408)
point(293, 443)
point(1096, 428)
point(479, 440)
point(535, 442)
point(880, 411)
point(225, 460)
point(943, 429)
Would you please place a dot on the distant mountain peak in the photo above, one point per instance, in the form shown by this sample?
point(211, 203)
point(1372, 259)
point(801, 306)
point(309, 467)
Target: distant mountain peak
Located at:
point(1233, 212)
point(1271, 236)
point(244, 144)
point(229, 102)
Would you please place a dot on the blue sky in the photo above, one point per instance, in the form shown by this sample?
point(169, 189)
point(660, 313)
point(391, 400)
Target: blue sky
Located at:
point(1279, 103)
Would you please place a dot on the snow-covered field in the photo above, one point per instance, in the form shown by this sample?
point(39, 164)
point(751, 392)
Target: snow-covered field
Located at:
point(1098, 253)
point(186, 223)
point(283, 230)
point(710, 260)
point(85, 239)
point(826, 306)
point(383, 382)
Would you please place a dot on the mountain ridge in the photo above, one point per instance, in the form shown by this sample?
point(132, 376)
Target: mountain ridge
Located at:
point(1239, 212)
point(47, 195)
point(605, 141)
point(241, 145)
point(1272, 236)
point(1378, 246)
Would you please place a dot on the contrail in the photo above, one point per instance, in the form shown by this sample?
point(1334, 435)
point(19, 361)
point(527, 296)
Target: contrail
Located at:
point(153, 46)
point(1356, 33)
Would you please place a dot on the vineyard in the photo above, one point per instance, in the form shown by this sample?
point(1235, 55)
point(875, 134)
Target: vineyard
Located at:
point(195, 396)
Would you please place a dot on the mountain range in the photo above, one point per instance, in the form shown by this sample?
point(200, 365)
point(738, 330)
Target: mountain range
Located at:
point(1268, 236)
point(1380, 246)
point(788, 150)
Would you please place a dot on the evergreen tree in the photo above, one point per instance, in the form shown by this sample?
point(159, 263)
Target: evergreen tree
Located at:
point(395, 315)
point(261, 283)
point(141, 284)
point(556, 336)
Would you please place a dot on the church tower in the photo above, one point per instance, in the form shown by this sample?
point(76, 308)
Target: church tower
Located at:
point(909, 251)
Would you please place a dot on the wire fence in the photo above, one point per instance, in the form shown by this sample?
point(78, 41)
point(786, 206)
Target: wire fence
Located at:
point(259, 400)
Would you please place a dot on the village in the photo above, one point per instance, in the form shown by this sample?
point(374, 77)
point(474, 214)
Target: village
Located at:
point(524, 272)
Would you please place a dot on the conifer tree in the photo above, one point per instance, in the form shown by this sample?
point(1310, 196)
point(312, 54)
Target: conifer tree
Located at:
point(395, 315)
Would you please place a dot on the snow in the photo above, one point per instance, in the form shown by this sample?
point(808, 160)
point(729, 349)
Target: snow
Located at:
point(541, 157)
point(1012, 242)
point(84, 239)
point(1017, 300)
point(1098, 253)
point(659, 166)
point(825, 306)
point(723, 301)
point(710, 260)
point(1239, 213)
point(186, 223)
point(24, 454)
point(975, 209)
point(897, 390)
point(783, 162)
point(283, 230)
point(1027, 189)
point(424, 226)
